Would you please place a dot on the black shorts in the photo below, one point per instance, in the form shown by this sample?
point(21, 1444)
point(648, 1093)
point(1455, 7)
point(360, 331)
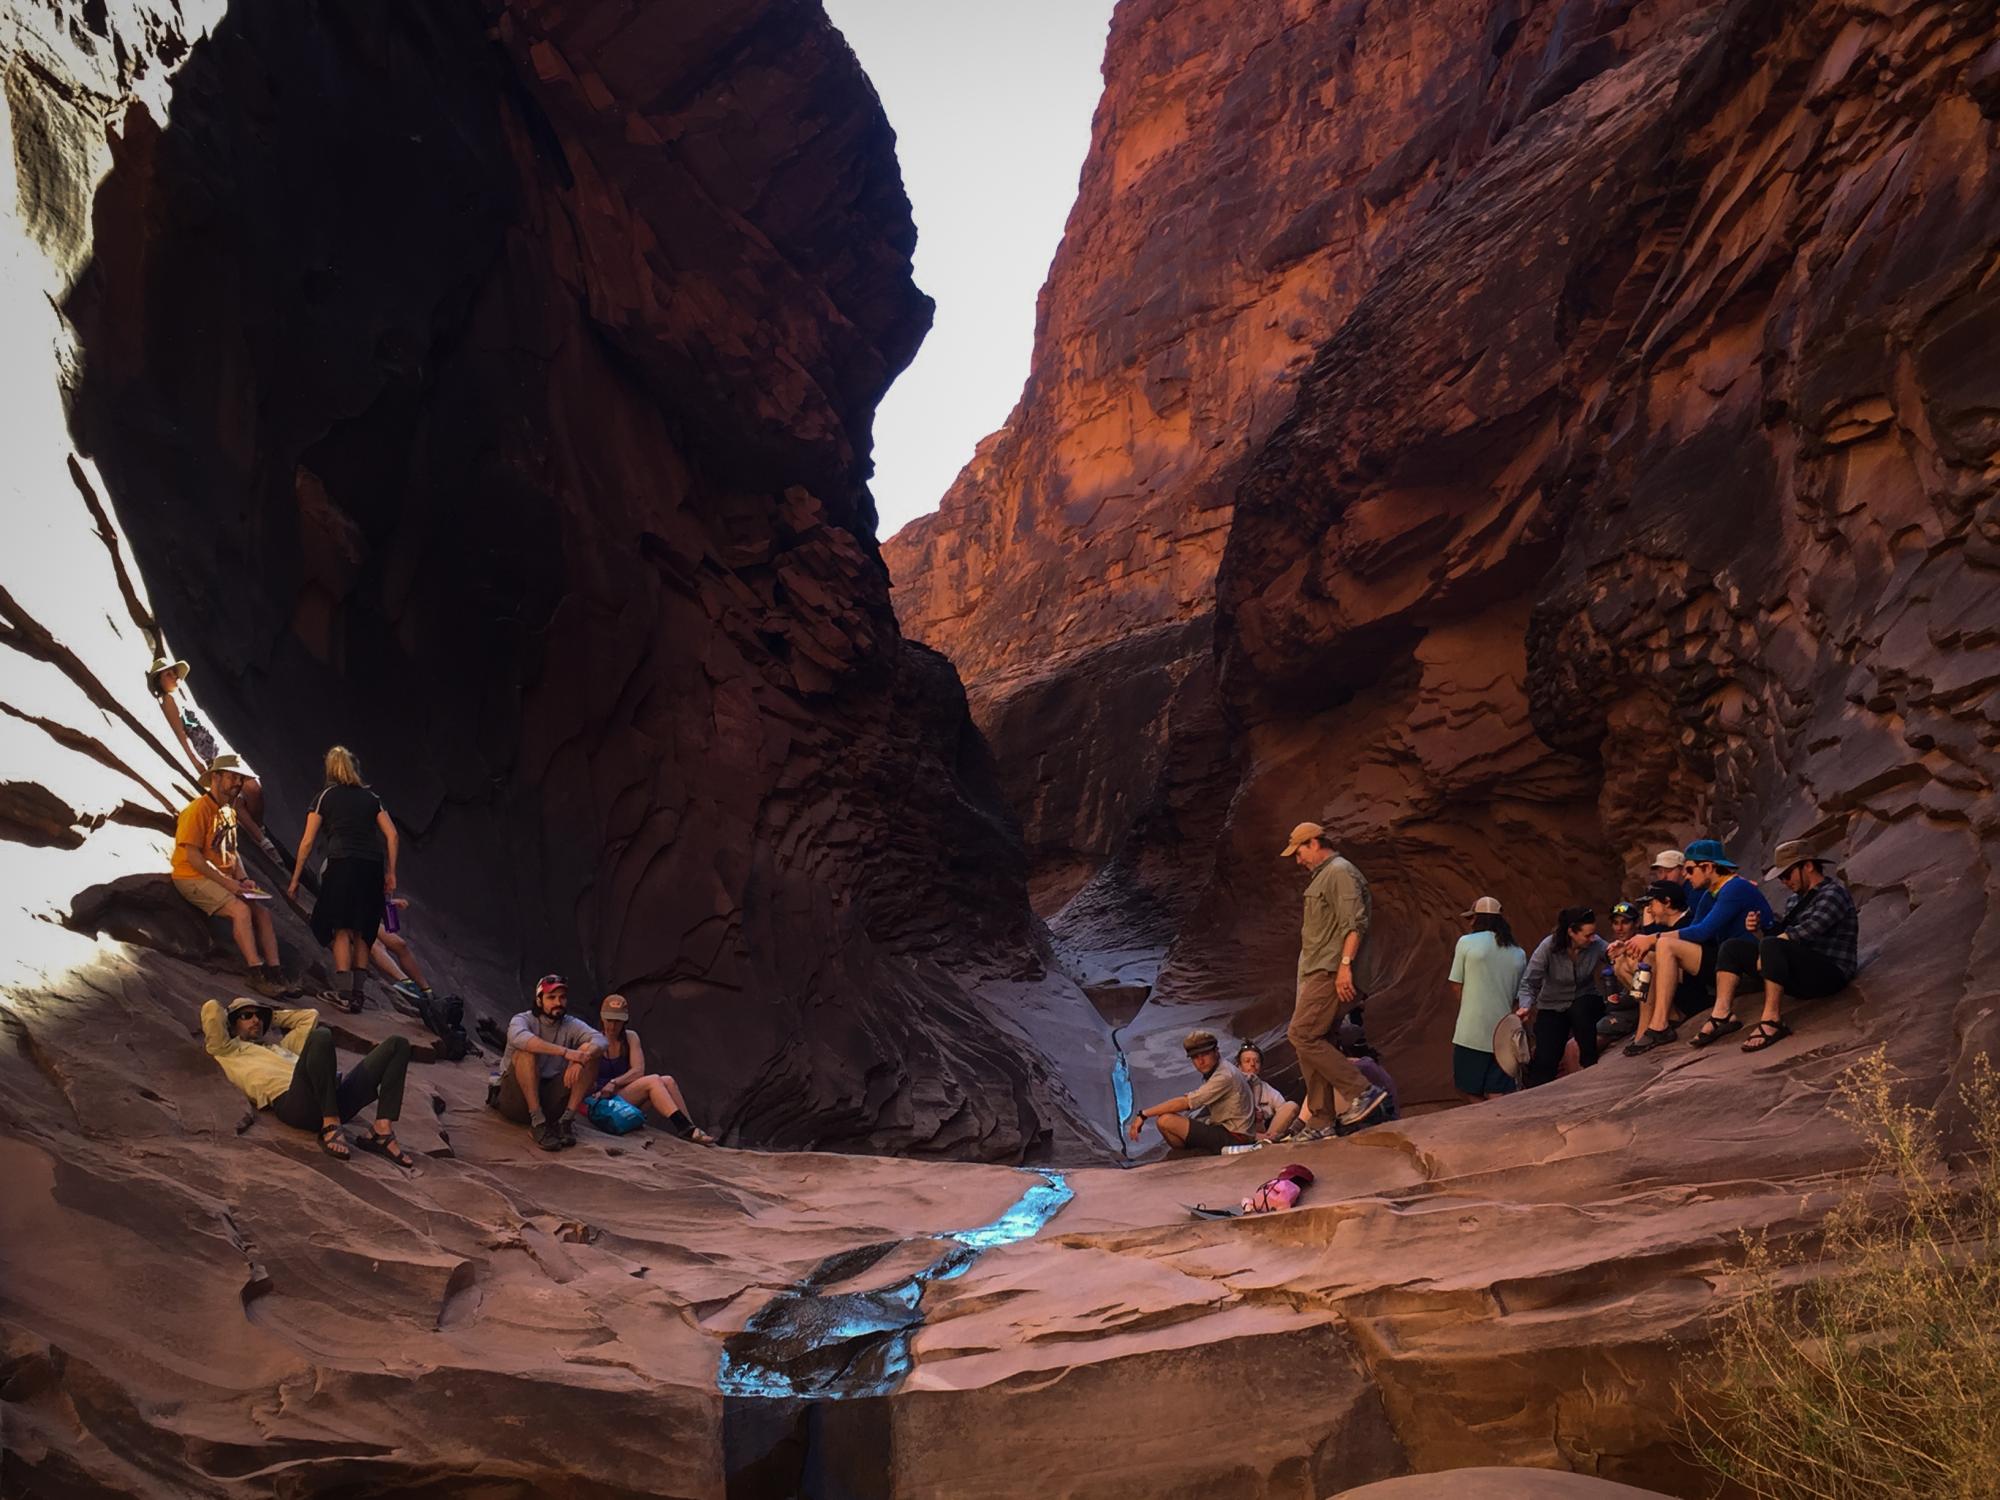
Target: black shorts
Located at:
point(1209, 1139)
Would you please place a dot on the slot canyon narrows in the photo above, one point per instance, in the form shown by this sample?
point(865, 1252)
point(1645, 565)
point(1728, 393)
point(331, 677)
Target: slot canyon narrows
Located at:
point(1517, 435)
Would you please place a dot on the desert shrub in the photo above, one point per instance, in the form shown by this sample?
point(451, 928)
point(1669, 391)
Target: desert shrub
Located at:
point(1872, 1372)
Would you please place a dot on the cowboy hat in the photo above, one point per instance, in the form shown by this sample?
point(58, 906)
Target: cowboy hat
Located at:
point(226, 761)
point(1791, 853)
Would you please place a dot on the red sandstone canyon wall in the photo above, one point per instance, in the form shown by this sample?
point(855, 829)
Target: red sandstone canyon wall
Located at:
point(1252, 171)
point(1572, 443)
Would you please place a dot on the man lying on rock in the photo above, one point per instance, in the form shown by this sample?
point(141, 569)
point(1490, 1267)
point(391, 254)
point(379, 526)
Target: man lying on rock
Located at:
point(209, 874)
point(1812, 951)
point(284, 1061)
point(1729, 907)
point(549, 1067)
point(1224, 1100)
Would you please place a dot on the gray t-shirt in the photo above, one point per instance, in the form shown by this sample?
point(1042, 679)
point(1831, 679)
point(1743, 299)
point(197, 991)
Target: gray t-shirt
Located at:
point(1226, 1095)
point(570, 1031)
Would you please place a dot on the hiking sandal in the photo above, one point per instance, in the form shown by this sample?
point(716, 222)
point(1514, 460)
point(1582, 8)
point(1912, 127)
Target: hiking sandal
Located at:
point(1766, 1034)
point(384, 1143)
point(700, 1137)
point(1714, 1029)
point(1646, 1041)
point(333, 1141)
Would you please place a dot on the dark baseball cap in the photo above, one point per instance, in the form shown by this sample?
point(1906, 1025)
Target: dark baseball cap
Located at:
point(1670, 891)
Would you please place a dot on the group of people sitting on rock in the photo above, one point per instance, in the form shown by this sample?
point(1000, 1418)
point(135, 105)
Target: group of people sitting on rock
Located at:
point(555, 1064)
point(1688, 945)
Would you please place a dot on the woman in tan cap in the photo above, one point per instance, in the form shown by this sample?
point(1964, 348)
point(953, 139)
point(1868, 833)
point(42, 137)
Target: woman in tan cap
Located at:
point(621, 1072)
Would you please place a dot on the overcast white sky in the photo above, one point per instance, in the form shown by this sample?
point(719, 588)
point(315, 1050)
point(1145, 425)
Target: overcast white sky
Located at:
point(991, 101)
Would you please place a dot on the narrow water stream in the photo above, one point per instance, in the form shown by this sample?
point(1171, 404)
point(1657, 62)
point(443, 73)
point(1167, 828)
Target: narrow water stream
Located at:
point(817, 1344)
point(1121, 1088)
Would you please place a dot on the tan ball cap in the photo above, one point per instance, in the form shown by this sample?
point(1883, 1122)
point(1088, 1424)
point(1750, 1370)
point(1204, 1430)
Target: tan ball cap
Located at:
point(1485, 906)
point(1198, 1042)
point(1304, 833)
point(614, 1008)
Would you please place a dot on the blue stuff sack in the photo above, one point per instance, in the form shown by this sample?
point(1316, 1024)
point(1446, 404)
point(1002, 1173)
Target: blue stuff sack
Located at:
point(615, 1116)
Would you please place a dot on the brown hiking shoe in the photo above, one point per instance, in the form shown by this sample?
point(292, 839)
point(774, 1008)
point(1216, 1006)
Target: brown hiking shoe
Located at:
point(263, 984)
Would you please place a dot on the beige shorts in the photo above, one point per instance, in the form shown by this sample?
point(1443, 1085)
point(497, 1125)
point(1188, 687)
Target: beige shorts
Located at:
point(204, 894)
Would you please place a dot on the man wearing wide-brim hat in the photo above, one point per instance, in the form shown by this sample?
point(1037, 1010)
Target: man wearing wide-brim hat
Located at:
point(1812, 951)
point(209, 874)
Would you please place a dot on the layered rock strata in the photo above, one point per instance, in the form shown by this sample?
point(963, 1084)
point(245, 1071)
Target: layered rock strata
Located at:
point(1620, 475)
point(488, 388)
point(1252, 172)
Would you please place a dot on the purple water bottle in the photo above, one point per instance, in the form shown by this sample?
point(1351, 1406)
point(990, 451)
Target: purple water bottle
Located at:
point(390, 921)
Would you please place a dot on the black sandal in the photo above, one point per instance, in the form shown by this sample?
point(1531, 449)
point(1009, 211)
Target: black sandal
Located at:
point(1646, 1041)
point(1714, 1029)
point(384, 1143)
point(333, 1141)
point(1766, 1034)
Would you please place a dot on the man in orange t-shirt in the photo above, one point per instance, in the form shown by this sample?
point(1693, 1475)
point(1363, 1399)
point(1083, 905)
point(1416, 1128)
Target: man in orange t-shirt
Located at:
point(210, 876)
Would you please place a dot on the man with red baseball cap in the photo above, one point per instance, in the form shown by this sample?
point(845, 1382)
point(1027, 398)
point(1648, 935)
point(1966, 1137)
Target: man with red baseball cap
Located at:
point(549, 1066)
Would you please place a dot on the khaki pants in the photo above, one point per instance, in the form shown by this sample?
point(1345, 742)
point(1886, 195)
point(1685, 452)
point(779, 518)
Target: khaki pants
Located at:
point(1327, 1069)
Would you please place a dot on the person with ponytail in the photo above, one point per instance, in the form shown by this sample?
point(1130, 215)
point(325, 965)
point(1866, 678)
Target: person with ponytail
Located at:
point(1558, 996)
point(360, 873)
point(1485, 974)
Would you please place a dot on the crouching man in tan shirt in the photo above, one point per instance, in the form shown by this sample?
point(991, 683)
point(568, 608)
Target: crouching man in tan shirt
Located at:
point(1224, 1098)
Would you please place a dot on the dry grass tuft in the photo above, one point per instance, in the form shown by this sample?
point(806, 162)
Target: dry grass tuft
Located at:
point(1879, 1378)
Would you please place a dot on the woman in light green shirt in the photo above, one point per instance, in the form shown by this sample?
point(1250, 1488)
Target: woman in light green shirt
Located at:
point(1485, 973)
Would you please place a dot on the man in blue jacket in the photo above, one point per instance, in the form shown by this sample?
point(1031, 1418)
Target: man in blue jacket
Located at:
point(1691, 951)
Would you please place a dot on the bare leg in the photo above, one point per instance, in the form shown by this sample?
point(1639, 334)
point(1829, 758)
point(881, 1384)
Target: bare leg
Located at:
point(580, 1090)
point(267, 936)
point(1725, 995)
point(405, 957)
point(343, 960)
point(244, 930)
point(386, 965)
point(1173, 1129)
point(1774, 998)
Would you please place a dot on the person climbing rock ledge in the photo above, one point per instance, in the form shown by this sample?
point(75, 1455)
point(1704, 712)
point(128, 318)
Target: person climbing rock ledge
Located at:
point(168, 680)
point(284, 1061)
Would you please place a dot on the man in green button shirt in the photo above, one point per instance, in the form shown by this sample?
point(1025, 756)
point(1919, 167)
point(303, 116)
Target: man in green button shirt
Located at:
point(1331, 979)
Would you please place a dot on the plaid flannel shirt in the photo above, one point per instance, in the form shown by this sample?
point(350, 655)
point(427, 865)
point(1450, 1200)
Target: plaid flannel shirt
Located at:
point(1824, 920)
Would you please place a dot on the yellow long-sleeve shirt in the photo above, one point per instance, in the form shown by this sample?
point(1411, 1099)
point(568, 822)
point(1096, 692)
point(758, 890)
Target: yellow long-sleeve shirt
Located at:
point(262, 1069)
